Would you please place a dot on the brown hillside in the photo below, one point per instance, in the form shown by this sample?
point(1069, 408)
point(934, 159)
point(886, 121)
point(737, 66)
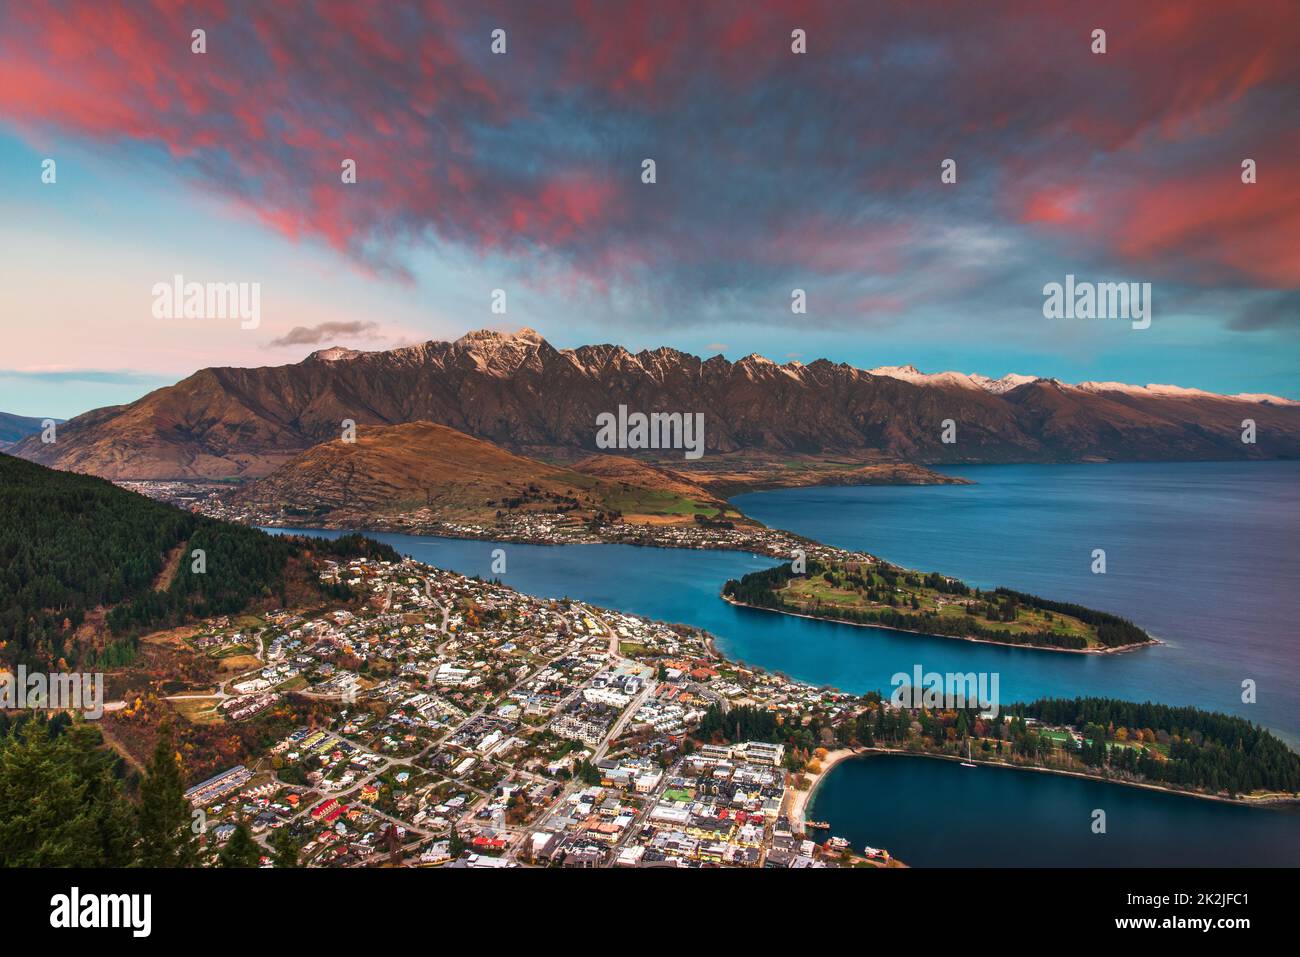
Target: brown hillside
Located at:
point(519, 392)
point(449, 476)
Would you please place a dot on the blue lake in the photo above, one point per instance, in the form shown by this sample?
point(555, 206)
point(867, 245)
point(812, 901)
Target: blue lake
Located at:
point(1205, 556)
point(931, 813)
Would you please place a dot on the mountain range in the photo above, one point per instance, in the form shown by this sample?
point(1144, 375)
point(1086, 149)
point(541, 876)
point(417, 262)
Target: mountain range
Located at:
point(518, 392)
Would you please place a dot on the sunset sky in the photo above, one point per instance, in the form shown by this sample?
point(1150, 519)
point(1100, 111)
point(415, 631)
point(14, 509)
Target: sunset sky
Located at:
point(775, 171)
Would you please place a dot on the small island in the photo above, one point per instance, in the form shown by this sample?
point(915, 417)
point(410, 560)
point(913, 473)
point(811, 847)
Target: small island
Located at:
point(874, 592)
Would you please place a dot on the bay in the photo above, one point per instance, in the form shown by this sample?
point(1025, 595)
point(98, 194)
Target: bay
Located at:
point(935, 813)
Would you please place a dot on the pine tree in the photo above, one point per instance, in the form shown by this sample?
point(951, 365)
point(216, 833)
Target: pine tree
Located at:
point(115, 823)
point(241, 850)
point(166, 838)
point(45, 819)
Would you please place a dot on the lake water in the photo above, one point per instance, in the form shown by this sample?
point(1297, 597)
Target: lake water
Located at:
point(931, 813)
point(1205, 556)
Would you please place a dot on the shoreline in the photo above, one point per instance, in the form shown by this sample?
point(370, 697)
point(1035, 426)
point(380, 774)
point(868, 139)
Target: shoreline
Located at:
point(800, 800)
point(1119, 649)
point(511, 538)
point(864, 751)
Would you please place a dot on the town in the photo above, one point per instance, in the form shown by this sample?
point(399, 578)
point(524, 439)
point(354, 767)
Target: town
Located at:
point(474, 726)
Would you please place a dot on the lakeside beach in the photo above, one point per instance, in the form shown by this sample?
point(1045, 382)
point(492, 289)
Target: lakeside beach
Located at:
point(799, 800)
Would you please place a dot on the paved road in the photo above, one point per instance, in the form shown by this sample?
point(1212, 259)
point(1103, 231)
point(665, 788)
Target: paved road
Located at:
point(617, 729)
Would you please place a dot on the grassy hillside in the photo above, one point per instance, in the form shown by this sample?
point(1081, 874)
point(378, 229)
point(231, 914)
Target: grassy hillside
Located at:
point(435, 473)
point(641, 491)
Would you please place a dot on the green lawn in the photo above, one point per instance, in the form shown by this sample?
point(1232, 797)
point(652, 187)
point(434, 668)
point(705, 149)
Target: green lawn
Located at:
point(643, 501)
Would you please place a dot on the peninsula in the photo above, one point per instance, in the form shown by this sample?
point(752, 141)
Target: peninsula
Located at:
point(869, 591)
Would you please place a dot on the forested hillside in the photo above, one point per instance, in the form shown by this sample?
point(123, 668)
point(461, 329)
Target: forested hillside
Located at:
point(1205, 749)
point(71, 544)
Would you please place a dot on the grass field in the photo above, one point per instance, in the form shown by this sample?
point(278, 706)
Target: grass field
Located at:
point(238, 663)
point(198, 710)
point(645, 501)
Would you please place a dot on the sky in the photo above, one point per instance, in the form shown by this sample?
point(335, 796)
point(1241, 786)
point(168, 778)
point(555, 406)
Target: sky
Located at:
point(774, 171)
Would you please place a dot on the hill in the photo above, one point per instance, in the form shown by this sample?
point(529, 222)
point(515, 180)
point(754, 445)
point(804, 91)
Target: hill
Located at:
point(432, 473)
point(15, 428)
point(86, 566)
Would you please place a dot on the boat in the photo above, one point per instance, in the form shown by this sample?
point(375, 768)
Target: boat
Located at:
point(968, 763)
point(819, 825)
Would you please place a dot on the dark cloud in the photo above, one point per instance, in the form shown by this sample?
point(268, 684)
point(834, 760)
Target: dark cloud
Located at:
point(325, 332)
point(1270, 311)
point(775, 170)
